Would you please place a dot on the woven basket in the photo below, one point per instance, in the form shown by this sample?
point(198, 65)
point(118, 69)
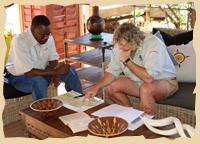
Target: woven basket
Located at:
point(46, 107)
point(108, 126)
point(184, 115)
point(13, 106)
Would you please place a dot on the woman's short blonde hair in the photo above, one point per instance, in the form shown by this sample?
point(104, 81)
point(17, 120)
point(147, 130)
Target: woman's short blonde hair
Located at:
point(130, 33)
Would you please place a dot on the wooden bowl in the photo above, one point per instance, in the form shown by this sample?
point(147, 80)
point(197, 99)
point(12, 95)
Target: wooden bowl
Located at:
point(108, 126)
point(46, 106)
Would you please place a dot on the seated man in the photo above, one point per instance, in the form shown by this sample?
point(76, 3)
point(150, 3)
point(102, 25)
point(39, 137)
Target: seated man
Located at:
point(148, 71)
point(33, 61)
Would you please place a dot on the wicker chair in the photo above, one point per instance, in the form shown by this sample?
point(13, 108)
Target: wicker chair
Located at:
point(14, 105)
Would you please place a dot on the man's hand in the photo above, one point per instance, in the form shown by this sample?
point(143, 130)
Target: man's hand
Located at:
point(124, 55)
point(61, 69)
point(52, 64)
point(56, 81)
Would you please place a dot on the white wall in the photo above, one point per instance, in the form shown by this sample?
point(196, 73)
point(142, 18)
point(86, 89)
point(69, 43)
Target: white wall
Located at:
point(13, 19)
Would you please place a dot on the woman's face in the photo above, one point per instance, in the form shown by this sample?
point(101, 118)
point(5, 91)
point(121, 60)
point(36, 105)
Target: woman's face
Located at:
point(124, 45)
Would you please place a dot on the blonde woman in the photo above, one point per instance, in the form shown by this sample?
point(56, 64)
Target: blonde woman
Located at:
point(148, 71)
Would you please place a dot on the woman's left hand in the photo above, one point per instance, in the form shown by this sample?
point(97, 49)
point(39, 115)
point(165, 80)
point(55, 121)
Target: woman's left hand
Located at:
point(124, 55)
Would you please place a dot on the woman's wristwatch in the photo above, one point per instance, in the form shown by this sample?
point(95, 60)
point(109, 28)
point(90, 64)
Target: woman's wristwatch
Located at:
point(125, 63)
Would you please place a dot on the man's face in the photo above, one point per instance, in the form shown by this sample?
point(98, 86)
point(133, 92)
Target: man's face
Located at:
point(41, 33)
point(124, 45)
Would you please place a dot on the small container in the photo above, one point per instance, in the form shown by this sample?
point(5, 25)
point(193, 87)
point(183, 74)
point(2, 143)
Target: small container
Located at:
point(46, 106)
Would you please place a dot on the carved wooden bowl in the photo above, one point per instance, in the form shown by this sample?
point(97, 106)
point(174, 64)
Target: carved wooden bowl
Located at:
point(108, 126)
point(46, 106)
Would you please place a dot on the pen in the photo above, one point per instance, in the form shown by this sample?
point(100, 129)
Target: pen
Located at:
point(135, 120)
point(79, 96)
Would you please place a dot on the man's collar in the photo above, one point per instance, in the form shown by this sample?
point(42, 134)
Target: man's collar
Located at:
point(32, 38)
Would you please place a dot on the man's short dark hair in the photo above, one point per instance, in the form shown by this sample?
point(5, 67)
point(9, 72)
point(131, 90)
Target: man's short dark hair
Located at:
point(40, 20)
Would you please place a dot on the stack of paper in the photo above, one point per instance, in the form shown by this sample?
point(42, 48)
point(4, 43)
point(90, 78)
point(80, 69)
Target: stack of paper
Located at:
point(127, 113)
point(76, 121)
point(75, 101)
point(132, 116)
point(138, 122)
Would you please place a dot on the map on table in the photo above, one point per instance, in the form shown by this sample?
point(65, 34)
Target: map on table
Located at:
point(72, 101)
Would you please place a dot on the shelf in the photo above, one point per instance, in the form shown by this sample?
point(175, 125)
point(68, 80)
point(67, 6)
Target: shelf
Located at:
point(92, 57)
point(105, 43)
point(86, 84)
point(92, 74)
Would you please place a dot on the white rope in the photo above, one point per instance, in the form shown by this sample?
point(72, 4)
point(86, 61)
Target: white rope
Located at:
point(179, 128)
point(189, 129)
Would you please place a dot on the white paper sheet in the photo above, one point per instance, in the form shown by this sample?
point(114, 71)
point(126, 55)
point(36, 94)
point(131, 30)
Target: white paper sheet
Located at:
point(127, 113)
point(77, 104)
point(135, 125)
point(76, 121)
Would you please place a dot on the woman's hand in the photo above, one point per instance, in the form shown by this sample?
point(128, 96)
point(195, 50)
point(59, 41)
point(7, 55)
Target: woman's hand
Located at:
point(91, 92)
point(124, 55)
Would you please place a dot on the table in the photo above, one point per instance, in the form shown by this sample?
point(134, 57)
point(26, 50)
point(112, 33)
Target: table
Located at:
point(41, 127)
point(103, 44)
